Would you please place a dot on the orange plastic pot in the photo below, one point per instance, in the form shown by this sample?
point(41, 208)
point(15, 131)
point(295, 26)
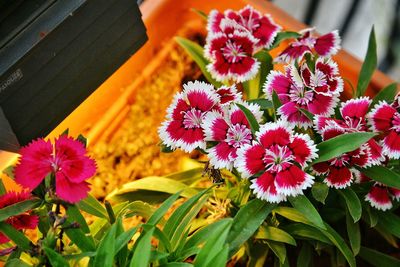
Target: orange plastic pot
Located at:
point(105, 109)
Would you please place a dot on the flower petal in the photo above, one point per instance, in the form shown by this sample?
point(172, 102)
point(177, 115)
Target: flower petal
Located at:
point(391, 145)
point(214, 126)
point(379, 198)
point(279, 83)
point(69, 191)
point(292, 181)
point(355, 109)
point(303, 148)
point(328, 44)
point(381, 117)
point(274, 134)
point(339, 177)
point(249, 160)
point(221, 156)
point(264, 188)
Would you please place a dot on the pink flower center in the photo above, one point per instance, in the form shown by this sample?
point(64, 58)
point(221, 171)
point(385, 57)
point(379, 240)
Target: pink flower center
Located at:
point(278, 158)
point(238, 135)
point(340, 161)
point(250, 23)
point(192, 118)
point(300, 96)
point(309, 41)
point(318, 79)
point(354, 124)
point(233, 52)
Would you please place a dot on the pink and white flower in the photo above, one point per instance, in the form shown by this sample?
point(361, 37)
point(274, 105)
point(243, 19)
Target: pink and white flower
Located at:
point(182, 127)
point(385, 118)
point(279, 155)
point(231, 130)
point(325, 46)
point(230, 56)
point(353, 113)
point(261, 27)
point(229, 94)
point(293, 92)
point(67, 160)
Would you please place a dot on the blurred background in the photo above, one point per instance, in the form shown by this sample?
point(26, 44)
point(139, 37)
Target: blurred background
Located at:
point(354, 19)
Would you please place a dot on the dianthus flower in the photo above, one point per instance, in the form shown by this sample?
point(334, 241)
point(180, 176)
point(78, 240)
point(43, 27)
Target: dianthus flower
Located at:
point(315, 92)
point(182, 127)
point(22, 221)
point(385, 118)
point(279, 157)
point(231, 130)
point(66, 160)
point(325, 46)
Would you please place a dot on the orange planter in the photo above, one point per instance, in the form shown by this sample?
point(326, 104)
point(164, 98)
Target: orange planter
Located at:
point(104, 110)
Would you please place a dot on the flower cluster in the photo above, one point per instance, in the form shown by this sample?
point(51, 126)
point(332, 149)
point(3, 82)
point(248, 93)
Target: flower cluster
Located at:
point(278, 154)
point(233, 38)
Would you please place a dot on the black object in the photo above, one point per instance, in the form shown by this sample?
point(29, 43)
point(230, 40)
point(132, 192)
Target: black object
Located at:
point(54, 54)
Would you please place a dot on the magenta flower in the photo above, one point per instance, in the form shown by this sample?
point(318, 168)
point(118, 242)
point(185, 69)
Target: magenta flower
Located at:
point(228, 94)
point(67, 160)
point(385, 118)
point(279, 155)
point(261, 27)
point(22, 221)
point(295, 92)
point(325, 46)
point(182, 127)
point(230, 130)
point(353, 113)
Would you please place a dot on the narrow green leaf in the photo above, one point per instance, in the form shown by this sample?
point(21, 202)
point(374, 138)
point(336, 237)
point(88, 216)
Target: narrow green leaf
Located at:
point(221, 258)
point(19, 208)
point(2, 188)
point(214, 244)
point(353, 203)
point(16, 263)
point(9, 171)
point(16, 236)
point(247, 221)
point(80, 255)
point(180, 213)
point(197, 54)
point(386, 94)
point(76, 235)
point(293, 215)
point(276, 102)
point(305, 256)
point(378, 259)
point(160, 212)
point(82, 139)
point(137, 208)
point(353, 232)
point(266, 65)
point(187, 177)
point(307, 232)
point(200, 13)
point(369, 65)
point(92, 206)
point(110, 212)
point(250, 118)
point(320, 191)
point(124, 239)
point(369, 215)
point(390, 222)
point(162, 238)
point(391, 239)
point(338, 145)
point(281, 36)
point(166, 149)
point(304, 206)
point(74, 214)
point(142, 252)
point(55, 259)
point(177, 264)
point(383, 175)
point(338, 241)
point(279, 250)
point(263, 103)
point(275, 234)
point(106, 249)
point(307, 113)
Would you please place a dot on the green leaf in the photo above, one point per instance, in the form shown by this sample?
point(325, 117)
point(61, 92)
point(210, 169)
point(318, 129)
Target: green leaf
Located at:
point(353, 232)
point(9, 171)
point(177, 264)
point(82, 139)
point(160, 212)
point(279, 250)
point(256, 84)
point(200, 13)
point(369, 65)
point(187, 177)
point(263, 103)
point(392, 240)
point(106, 249)
point(92, 206)
point(370, 215)
point(154, 183)
point(305, 256)
point(281, 36)
point(76, 235)
point(124, 239)
point(320, 191)
point(16, 236)
point(55, 259)
point(275, 234)
point(383, 175)
point(221, 258)
point(390, 222)
point(307, 113)
point(137, 208)
point(16, 263)
point(19, 208)
point(307, 232)
point(338, 145)
point(353, 203)
point(214, 244)
point(250, 118)
point(162, 238)
point(197, 54)
point(386, 94)
point(2, 188)
point(378, 259)
point(74, 214)
point(247, 221)
point(142, 252)
point(304, 206)
point(276, 102)
point(80, 255)
point(338, 241)
point(180, 213)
